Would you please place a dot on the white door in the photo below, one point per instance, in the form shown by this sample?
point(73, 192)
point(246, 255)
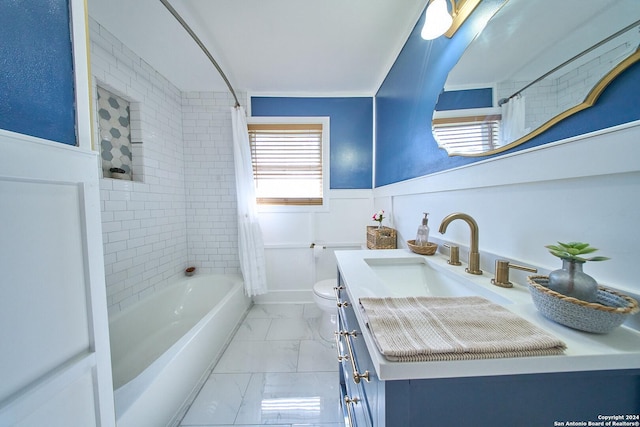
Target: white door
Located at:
point(55, 367)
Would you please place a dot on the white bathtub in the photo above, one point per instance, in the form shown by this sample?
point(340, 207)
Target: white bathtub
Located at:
point(162, 346)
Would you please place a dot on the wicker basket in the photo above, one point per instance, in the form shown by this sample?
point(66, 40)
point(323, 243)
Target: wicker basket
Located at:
point(601, 317)
point(381, 238)
point(430, 249)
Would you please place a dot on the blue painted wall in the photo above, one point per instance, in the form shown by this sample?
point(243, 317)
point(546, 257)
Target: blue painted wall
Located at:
point(464, 99)
point(36, 70)
point(351, 125)
point(405, 147)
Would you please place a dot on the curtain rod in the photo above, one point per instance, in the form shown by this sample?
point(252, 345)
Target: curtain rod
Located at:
point(202, 46)
point(584, 52)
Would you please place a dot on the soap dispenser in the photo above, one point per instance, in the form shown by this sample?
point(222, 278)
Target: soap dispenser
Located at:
point(422, 236)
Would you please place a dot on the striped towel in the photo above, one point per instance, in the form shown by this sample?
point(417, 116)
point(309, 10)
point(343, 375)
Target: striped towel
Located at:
point(420, 329)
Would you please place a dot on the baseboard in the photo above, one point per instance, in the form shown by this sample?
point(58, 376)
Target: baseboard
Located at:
point(301, 296)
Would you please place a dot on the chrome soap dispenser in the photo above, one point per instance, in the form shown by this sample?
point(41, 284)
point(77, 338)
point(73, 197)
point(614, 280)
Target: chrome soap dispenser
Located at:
point(422, 236)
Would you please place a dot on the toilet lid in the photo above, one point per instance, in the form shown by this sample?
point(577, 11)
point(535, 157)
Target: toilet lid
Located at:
point(324, 288)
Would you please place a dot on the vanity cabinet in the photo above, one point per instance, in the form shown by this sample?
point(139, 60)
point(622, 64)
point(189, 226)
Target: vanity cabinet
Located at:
point(354, 399)
point(358, 380)
point(536, 400)
point(368, 400)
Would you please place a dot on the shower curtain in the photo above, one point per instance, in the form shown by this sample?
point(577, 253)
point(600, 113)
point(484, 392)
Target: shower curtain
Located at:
point(513, 114)
point(250, 244)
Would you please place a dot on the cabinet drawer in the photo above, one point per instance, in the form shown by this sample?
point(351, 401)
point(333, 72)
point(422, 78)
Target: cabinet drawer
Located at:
point(355, 364)
point(351, 337)
point(353, 400)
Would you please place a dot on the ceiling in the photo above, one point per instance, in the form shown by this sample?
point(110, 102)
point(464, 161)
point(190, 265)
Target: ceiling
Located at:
point(344, 47)
point(296, 47)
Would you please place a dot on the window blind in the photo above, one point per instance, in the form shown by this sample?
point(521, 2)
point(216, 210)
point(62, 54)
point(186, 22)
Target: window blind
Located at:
point(473, 134)
point(287, 163)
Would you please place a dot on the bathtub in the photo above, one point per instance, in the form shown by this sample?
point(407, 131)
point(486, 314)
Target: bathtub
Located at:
point(163, 346)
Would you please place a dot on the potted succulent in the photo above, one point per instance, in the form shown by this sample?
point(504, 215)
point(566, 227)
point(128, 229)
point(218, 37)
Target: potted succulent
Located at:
point(570, 280)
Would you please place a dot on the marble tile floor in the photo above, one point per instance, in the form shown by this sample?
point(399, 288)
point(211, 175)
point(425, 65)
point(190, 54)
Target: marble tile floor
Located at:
point(276, 371)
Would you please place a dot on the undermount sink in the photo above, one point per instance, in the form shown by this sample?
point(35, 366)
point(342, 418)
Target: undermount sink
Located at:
point(414, 276)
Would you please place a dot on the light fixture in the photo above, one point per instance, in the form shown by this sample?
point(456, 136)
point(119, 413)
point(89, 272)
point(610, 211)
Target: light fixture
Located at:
point(436, 20)
point(439, 21)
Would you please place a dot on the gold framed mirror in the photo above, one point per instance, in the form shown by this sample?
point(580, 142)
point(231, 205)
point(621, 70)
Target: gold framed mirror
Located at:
point(542, 63)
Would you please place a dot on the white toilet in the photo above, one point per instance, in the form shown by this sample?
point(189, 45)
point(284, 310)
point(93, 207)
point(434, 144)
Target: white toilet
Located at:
point(325, 298)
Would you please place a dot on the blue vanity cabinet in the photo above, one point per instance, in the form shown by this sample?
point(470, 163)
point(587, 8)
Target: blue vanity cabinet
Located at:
point(354, 399)
point(536, 400)
point(374, 397)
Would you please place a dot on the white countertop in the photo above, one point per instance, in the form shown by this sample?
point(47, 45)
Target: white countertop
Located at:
point(619, 349)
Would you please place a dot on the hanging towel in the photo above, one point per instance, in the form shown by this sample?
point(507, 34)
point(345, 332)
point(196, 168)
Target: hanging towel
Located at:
point(420, 329)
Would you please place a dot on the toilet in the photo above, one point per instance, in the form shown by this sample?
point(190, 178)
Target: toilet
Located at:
point(325, 298)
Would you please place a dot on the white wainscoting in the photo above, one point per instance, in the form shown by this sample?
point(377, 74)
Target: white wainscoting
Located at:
point(581, 189)
point(293, 265)
point(55, 363)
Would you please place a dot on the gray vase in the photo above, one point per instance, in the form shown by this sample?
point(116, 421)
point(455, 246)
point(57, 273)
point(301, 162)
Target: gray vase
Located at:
point(572, 282)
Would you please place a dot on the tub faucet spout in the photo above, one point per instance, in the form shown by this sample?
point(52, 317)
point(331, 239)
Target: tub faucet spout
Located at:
point(474, 254)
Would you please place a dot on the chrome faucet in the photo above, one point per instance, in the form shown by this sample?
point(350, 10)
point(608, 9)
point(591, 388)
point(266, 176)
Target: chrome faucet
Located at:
point(474, 255)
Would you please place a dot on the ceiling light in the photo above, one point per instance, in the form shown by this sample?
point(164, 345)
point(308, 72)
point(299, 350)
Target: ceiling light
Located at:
point(438, 20)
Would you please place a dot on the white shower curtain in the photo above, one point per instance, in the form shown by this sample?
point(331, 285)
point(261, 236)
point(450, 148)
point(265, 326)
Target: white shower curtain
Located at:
point(250, 244)
point(513, 115)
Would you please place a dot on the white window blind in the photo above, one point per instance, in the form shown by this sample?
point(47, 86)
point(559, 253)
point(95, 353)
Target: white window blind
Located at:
point(287, 163)
point(475, 134)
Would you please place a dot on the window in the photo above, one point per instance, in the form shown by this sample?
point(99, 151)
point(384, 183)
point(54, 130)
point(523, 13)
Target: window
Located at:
point(288, 163)
point(472, 134)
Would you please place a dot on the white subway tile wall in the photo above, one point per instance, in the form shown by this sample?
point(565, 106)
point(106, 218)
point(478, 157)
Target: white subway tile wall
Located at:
point(212, 228)
point(180, 210)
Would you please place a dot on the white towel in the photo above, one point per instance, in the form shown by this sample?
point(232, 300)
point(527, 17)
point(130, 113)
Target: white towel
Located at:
point(437, 328)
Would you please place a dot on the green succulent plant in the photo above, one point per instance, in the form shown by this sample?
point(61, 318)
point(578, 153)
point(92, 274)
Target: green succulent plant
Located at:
point(573, 250)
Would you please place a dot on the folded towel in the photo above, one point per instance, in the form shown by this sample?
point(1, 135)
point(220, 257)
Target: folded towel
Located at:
point(421, 329)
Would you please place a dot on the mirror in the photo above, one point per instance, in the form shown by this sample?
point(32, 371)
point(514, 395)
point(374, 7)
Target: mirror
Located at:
point(534, 64)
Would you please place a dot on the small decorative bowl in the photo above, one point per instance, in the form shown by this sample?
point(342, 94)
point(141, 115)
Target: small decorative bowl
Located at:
point(190, 271)
point(430, 249)
point(118, 175)
point(601, 317)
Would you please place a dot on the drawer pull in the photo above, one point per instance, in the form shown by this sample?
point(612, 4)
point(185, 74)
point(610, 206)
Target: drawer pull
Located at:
point(348, 402)
point(337, 290)
point(356, 375)
point(341, 357)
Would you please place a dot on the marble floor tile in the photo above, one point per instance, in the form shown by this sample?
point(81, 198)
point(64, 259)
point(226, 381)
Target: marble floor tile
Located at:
point(314, 325)
point(275, 425)
point(275, 311)
point(218, 401)
point(318, 425)
point(260, 425)
point(296, 398)
point(259, 356)
point(316, 356)
point(276, 371)
point(289, 329)
point(311, 310)
point(254, 329)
